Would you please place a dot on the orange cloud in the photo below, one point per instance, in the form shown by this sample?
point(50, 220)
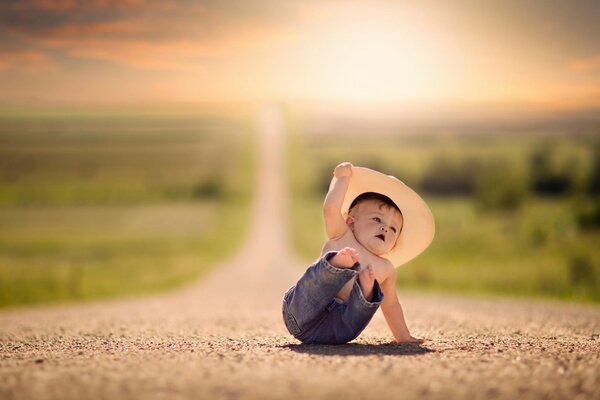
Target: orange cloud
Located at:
point(590, 64)
point(26, 60)
point(67, 5)
point(40, 19)
point(50, 5)
point(134, 49)
point(160, 35)
point(177, 56)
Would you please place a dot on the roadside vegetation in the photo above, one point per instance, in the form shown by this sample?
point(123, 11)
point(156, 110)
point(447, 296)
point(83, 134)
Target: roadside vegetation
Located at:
point(105, 203)
point(516, 213)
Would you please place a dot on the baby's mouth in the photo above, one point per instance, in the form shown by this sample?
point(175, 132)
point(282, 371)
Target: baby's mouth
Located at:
point(381, 236)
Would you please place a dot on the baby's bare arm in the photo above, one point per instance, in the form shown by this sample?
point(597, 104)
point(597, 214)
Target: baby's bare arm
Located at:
point(393, 313)
point(335, 224)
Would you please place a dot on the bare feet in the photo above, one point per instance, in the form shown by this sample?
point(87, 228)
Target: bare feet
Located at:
point(345, 258)
point(366, 280)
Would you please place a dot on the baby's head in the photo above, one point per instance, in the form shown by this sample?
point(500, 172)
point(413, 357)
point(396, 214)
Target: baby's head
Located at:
point(376, 222)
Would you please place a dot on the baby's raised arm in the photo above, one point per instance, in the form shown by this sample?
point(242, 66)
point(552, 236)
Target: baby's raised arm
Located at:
point(335, 225)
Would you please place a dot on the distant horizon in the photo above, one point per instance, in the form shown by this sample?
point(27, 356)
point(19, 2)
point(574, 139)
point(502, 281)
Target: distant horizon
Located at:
point(352, 117)
point(483, 108)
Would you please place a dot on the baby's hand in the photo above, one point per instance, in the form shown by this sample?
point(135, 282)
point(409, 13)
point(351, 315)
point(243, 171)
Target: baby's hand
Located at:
point(343, 169)
point(411, 339)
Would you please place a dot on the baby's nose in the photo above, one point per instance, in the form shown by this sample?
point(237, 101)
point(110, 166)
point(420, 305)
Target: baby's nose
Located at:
point(383, 228)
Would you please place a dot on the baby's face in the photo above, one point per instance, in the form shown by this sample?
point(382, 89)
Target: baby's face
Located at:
point(375, 226)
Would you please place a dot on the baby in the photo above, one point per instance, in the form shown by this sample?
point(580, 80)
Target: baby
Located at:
point(374, 223)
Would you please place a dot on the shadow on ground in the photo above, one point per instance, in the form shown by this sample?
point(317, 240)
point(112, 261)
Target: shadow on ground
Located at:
point(359, 349)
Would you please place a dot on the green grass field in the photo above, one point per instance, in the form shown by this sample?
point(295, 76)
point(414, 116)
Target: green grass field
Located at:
point(105, 203)
point(537, 249)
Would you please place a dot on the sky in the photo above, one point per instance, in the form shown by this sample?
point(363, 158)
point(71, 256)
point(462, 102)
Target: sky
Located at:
point(112, 51)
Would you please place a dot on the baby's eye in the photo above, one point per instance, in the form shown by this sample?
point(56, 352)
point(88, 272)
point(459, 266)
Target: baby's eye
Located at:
point(393, 229)
point(376, 219)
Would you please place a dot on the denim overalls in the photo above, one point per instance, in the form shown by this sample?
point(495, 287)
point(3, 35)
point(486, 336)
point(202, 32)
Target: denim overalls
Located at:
point(311, 313)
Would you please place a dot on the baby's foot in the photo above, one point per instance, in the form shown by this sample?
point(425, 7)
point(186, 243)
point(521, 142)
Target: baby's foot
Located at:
point(345, 258)
point(366, 280)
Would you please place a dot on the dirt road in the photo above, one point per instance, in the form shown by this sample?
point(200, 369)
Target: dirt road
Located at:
point(223, 338)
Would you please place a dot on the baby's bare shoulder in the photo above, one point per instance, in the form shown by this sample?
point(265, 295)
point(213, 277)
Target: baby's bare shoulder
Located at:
point(346, 240)
point(385, 269)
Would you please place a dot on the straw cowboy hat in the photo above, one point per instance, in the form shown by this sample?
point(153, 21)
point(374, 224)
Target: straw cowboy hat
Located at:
point(418, 227)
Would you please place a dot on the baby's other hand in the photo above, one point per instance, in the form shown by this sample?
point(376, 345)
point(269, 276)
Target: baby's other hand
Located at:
point(343, 169)
point(411, 339)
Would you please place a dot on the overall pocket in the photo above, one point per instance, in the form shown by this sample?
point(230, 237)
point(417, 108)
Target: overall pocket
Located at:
point(290, 322)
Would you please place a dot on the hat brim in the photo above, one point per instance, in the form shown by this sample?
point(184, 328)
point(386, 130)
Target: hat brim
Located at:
point(418, 227)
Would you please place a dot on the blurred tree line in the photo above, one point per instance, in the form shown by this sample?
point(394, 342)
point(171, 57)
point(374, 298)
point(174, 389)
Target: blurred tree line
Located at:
point(544, 177)
point(503, 183)
point(497, 184)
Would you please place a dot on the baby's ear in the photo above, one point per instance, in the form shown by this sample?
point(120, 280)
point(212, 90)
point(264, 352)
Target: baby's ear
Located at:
point(350, 222)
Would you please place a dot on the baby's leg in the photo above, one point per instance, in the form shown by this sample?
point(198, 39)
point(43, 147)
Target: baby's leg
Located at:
point(345, 258)
point(317, 288)
point(366, 279)
point(346, 321)
point(360, 310)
